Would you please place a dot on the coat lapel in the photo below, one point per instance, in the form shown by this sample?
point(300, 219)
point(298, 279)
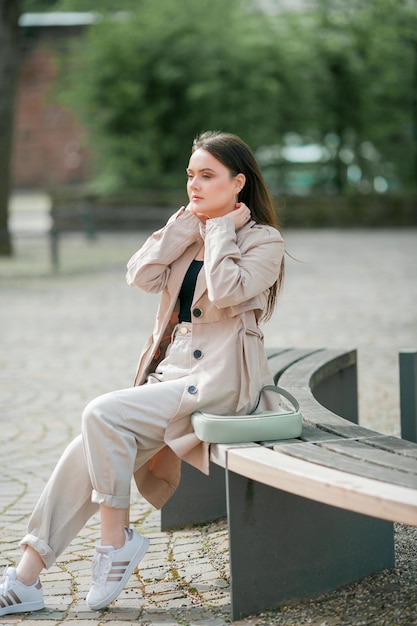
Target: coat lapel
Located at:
point(200, 286)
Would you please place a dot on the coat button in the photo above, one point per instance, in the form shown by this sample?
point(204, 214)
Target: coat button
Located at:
point(197, 312)
point(198, 354)
point(192, 389)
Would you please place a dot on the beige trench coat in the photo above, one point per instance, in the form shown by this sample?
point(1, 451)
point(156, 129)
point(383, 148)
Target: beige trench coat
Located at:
point(230, 297)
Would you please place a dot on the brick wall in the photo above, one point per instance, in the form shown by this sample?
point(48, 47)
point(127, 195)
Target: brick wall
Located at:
point(48, 142)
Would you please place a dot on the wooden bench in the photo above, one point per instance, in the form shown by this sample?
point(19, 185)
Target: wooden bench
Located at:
point(308, 515)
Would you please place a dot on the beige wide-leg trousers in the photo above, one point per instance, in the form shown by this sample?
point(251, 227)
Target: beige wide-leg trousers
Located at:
point(121, 431)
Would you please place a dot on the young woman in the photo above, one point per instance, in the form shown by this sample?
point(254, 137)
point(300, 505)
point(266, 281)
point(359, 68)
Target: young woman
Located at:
point(218, 263)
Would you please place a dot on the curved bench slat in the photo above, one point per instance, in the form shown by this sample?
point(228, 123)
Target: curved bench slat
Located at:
point(395, 445)
point(374, 453)
point(306, 375)
point(357, 461)
point(280, 361)
point(308, 372)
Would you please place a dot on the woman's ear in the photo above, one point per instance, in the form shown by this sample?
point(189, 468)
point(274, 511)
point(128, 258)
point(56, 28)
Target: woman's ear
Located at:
point(240, 180)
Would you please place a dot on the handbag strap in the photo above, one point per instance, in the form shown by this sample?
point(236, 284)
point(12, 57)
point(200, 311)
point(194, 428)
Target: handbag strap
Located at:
point(282, 392)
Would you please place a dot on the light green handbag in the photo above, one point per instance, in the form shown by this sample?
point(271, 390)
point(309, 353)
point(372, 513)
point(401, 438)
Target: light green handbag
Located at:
point(264, 426)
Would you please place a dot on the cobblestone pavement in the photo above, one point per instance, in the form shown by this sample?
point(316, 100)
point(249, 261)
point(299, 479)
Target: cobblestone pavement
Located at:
point(68, 337)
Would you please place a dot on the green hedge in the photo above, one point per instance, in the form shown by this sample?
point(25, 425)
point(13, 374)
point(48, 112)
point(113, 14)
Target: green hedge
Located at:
point(348, 211)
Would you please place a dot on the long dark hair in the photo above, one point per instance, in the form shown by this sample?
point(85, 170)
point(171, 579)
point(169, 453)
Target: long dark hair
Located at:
point(236, 155)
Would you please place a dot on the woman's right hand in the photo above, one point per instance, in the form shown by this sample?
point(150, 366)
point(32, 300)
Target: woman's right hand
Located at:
point(201, 216)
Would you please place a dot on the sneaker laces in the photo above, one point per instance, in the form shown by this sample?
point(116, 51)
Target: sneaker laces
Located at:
point(101, 567)
point(6, 581)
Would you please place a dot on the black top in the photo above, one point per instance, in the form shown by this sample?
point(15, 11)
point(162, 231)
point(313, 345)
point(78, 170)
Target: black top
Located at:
point(187, 290)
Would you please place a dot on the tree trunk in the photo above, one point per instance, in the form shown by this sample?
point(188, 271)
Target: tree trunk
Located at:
point(9, 64)
point(414, 114)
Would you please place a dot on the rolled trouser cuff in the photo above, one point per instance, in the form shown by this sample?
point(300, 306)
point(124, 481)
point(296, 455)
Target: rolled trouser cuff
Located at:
point(46, 553)
point(114, 502)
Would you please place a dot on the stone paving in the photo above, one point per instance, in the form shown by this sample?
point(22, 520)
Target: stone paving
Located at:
point(68, 337)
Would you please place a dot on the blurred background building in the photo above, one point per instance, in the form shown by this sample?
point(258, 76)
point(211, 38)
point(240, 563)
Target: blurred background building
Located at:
point(49, 147)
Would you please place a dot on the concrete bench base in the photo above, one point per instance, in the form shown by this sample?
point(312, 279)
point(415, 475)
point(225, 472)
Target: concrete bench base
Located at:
point(285, 548)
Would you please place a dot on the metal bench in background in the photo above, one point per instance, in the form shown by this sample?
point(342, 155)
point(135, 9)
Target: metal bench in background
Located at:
point(90, 217)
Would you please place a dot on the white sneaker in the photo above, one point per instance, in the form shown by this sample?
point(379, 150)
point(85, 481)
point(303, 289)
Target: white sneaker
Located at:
point(15, 597)
point(112, 569)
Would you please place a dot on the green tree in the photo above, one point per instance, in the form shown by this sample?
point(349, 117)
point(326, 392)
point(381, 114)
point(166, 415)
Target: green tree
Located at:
point(145, 86)
point(144, 82)
point(368, 53)
point(39, 6)
point(391, 97)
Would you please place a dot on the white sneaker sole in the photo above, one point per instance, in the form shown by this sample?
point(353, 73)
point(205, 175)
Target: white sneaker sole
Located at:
point(137, 557)
point(22, 607)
